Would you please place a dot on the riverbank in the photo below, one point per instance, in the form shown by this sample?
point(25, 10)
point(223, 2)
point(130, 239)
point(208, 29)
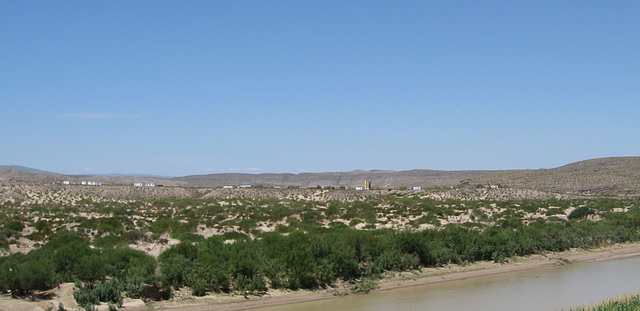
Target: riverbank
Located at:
point(400, 280)
point(183, 299)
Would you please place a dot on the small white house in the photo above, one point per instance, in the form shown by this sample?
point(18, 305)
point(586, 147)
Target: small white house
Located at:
point(141, 184)
point(227, 187)
point(359, 188)
point(416, 188)
point(66, 182)
point(245, 186)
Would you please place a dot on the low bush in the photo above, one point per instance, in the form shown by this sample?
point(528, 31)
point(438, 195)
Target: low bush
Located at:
point(581, 212)
point(109, 291)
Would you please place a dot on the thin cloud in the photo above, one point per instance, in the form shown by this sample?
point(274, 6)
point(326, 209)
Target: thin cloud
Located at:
point(93, 115)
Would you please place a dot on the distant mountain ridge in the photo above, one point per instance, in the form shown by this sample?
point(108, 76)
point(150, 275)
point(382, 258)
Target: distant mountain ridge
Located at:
point(133, 175)
point(378, 178)
point(603, 176)
point(26, 169)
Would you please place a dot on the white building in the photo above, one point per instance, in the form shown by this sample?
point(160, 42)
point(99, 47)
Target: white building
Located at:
point(417, 188)
point(227, 187)
point(141, 184)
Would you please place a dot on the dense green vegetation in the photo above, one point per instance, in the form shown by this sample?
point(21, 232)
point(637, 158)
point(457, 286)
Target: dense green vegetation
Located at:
point(313, 244)
point(67, 257)
point(629, 303)
point(317, 258)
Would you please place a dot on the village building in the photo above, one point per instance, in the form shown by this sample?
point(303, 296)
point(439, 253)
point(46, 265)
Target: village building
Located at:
point(141, 184)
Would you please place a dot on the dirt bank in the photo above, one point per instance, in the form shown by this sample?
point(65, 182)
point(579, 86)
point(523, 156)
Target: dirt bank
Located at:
point(405, 279)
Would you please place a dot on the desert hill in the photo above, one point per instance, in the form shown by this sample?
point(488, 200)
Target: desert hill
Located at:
point(14, 174)
point(30, 177)
point(604, 176)
point(26, 169)
point(378, 178)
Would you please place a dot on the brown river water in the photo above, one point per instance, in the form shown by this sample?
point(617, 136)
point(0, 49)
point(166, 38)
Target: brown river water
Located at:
point(554, 288)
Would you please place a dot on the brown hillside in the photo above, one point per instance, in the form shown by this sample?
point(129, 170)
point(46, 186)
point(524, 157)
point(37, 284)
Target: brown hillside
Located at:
point(604, 176)
point(378, 179)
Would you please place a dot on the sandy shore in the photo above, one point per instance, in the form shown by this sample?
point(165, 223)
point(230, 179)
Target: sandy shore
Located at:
point(184, 301)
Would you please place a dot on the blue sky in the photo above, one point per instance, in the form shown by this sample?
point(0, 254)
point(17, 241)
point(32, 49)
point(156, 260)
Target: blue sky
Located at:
point(196, 87)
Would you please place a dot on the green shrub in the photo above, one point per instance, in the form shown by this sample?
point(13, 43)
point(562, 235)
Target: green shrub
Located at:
point(554, 211)
point(189, 237)
point(250, 285)
point(109, 291)
point(109, 241)
point(134, 235)
point(284, 229)
point(130, 265)
point(42, 226)
point(581, 212)
point(85, 298)
point(199, 289)
point(62, 238)
point(23, 274)
point(90, 268)
point(15, 225)
point(234, 235)
point(134, 289)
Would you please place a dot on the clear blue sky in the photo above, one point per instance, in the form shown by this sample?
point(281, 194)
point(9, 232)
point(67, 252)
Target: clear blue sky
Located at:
point(195, 87)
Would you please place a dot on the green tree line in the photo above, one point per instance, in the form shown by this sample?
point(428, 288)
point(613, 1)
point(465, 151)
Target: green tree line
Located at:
point(317, 258)
point(302, 259)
